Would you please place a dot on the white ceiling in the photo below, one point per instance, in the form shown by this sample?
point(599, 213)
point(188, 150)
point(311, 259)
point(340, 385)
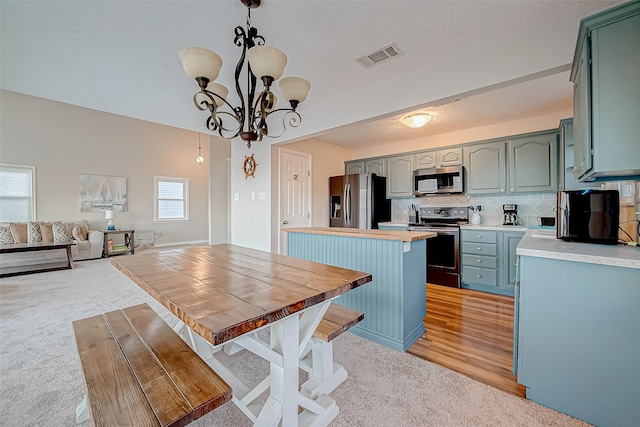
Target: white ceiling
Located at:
point(505, 59)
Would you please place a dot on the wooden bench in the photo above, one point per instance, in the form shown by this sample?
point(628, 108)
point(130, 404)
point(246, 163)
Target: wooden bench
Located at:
point(324, 374)
point(138, 371)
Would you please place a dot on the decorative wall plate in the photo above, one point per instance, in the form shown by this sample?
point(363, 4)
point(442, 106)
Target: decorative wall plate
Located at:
point(249, 166)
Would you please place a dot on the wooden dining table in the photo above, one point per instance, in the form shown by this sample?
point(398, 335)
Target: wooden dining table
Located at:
point(228, 296)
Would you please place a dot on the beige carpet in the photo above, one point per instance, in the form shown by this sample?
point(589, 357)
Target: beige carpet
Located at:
point(41, 382)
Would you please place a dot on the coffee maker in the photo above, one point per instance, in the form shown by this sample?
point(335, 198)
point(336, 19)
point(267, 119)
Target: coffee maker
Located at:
point(510, 214)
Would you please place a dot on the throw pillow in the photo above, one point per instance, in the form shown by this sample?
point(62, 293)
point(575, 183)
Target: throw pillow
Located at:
point(6, 238)
point(80, 232)
point(19, 231)
point(46, 231)
point(62, 232)
point(33, 232)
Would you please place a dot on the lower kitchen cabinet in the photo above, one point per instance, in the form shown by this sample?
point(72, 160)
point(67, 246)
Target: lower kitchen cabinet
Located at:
point(489, 260)
point(577, 338)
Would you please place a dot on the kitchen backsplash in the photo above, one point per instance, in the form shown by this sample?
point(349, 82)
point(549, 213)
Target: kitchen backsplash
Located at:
point(530, 206)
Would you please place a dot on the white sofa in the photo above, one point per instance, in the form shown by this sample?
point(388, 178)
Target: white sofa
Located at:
point(88, 244)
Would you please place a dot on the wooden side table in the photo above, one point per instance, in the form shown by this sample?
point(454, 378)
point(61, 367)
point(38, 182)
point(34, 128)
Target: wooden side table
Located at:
point(118, 249)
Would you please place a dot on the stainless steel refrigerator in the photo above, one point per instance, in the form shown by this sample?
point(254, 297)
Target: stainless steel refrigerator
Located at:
point(358, 201)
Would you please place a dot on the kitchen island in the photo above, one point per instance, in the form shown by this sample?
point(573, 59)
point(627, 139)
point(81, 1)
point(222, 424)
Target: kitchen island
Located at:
point(576, 340)
point(394, 303)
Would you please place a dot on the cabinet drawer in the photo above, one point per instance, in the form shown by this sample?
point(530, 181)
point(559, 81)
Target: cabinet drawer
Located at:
point(479, 261)
point(479, 248)
point(481, 276)
point(479, 236)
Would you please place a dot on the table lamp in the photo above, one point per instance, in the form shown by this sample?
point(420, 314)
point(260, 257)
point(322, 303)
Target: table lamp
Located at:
point(110, 215)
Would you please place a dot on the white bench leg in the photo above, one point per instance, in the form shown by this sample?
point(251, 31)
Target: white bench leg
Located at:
point(324, 375)
point(82, 411)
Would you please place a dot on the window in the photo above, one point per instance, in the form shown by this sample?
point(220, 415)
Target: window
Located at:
point(17, 193)
point(171, 199)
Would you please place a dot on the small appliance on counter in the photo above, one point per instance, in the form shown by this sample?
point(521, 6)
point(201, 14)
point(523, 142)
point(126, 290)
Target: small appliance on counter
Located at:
point(510, 214)
point(591, 216)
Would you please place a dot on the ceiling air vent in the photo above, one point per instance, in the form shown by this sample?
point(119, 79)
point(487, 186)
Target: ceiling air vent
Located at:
point(380, 55)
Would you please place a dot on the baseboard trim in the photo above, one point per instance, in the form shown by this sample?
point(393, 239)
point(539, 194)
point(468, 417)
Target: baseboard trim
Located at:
point(191, 242)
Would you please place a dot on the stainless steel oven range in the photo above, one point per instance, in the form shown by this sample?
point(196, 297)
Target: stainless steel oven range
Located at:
point(443, 251)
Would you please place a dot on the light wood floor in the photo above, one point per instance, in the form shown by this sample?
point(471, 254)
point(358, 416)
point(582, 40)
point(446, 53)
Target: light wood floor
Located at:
point(470, 332)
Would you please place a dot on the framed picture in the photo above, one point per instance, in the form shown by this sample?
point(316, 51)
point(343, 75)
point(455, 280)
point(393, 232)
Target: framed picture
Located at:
point(99, 193)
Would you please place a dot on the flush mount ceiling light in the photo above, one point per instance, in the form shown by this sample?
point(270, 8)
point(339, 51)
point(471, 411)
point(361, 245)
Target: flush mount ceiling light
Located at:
point(416, 120)
point(249, 120)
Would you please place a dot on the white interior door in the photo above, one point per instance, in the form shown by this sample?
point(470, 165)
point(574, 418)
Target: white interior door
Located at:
point(295, 193)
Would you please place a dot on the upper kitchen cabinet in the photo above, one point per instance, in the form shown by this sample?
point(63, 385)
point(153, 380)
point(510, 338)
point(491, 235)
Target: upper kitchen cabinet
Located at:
point(525, 163)
point(533, 163)
point(377, 166)
point(438, 158)
point(566, 179)
point(400, 176)
point(485, 166)
point(353, 167)
point(605, 71)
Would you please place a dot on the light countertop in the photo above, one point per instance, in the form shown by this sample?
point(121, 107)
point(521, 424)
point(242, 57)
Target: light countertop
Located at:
point(547, 246)
point(398, 224)
point(405, 236)
point(494, 227)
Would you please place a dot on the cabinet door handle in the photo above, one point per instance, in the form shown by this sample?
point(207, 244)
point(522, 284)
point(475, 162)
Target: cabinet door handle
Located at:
point(479, 249)
point(479, 276)
point(478, 237)
point(478, 260)
point(502, 190)
point(513, 189)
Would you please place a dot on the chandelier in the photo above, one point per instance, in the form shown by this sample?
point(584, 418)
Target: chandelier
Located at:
point(249, 119)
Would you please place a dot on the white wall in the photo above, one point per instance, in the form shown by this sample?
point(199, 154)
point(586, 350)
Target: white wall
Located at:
point(250, 215)
point(65, 141)
point(219, 183)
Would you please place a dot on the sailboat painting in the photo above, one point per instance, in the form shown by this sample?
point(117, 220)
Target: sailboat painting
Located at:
point(100, 193)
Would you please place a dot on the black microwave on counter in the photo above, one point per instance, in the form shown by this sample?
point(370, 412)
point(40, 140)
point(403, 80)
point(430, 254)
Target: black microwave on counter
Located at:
point(591, 216)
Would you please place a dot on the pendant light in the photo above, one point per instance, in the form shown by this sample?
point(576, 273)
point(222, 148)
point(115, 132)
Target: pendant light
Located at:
point(199, 157)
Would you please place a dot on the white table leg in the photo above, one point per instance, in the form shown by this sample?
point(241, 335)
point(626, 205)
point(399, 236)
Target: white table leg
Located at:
point(284, 379)
point(82, 411)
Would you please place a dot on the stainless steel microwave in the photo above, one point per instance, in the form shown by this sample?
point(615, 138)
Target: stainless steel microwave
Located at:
point(588, 216)
point(447, 180)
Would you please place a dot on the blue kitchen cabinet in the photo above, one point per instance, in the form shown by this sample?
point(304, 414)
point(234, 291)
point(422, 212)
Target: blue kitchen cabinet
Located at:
point(438, 158)
point(354, 167)
point(577, 338)
point(489, 260)
point(510, 242)
point(566, 167)
point(605, 71)
point(394, 303)
point(533, 163)
point(485, 166)
point(400, 176)
point(377, 166)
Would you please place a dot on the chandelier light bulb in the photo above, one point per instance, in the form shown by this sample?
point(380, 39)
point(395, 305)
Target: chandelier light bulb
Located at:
point(200, 159)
